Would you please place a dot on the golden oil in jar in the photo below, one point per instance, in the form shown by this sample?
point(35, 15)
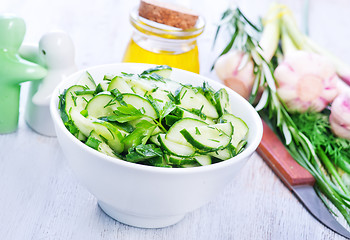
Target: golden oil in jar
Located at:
point(156, 43)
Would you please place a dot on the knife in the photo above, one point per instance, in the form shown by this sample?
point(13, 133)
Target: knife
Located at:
point(296, 178)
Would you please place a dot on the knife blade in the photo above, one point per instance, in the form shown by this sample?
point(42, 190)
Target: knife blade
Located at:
point(296, 178)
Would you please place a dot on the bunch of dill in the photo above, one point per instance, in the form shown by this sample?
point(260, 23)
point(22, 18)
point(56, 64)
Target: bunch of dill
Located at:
point(317, 128)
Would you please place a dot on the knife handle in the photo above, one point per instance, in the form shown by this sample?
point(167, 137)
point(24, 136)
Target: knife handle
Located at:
point(272, 150)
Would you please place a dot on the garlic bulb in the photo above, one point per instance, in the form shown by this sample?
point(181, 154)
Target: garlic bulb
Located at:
point(340, 116)
point(306, 81)
point(235, 69)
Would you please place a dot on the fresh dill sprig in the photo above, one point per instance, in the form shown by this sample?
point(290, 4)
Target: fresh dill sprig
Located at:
point(317, 128)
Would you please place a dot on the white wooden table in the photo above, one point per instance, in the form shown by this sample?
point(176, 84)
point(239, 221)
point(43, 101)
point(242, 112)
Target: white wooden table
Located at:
point(41, 199)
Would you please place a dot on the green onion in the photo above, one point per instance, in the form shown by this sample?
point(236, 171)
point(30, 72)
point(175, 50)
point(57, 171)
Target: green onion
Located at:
point(316, 157)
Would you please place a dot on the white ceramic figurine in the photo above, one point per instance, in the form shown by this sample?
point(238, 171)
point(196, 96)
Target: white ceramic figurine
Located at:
point(56, 53)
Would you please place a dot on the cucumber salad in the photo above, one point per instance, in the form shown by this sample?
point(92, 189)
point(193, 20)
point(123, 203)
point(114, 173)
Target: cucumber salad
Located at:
point(152, 120)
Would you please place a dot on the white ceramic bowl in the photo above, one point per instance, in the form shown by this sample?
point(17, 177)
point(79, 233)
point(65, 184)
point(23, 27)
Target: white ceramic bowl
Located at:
point(146, 196)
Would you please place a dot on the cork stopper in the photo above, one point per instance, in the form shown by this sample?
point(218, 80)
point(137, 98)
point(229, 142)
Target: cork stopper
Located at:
point(168, 14)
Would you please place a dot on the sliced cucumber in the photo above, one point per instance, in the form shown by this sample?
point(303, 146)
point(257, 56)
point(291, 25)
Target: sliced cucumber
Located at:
point(74, 104)
point(120, 84)
point(154, 139)
point(189, 99)
point(241, 146)
point(102, 105)
point(222, 102)
point(111, 134)
point(87, 81)
point(175, 148)
point(190, 165)
point(184, 113)
point(207, 138)
point(104, 85)
point(139, 86)
point(203, 159)
point(226, 128)
point(240, 128)
point(102, 146)
point(84, 124)
point(140, 103)
point(78, 102)
point(180, 160)
point(188, 114)
point(174, 134)
point(224, 154)
point(162, 70)
point(160, 95)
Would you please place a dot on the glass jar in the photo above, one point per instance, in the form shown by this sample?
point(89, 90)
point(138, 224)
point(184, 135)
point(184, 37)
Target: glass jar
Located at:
point(156, 43)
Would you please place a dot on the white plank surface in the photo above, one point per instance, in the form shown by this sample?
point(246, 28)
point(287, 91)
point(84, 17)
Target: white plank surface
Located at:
point(40, 197)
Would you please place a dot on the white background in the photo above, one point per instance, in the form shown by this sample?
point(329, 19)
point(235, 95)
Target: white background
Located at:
point(40, 197)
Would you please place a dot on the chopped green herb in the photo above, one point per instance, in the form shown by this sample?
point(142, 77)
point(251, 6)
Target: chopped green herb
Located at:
point(93, 142)
point(142, 152)
point(159, 162)
point(85, 99)
point(209, 93)
point(125, 114)
point(127, 74)
point(84, 92)
point(98, 89)
point(108, 78)
point(111, 132)
point(199, 112)
point(154, 89)
point(155, 69)
point(127, 127)
point(72, 128)
point(174, 98)
point(140, 135)
point(133, 89)
point(103, 138)
point(84, 113)
point(90, 77)
point(74, 99)
point(154, 103)
point(62, 106)
point(118, 96)
point(171, 119)
point(167, 109)
point(183, 95)
point(110, 103)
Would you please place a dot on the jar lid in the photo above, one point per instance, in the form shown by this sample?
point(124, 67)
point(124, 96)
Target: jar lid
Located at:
point(153, 28)
point(168, 14)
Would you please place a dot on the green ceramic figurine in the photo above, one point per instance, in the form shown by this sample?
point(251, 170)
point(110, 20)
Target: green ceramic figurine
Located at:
point(13, 71)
